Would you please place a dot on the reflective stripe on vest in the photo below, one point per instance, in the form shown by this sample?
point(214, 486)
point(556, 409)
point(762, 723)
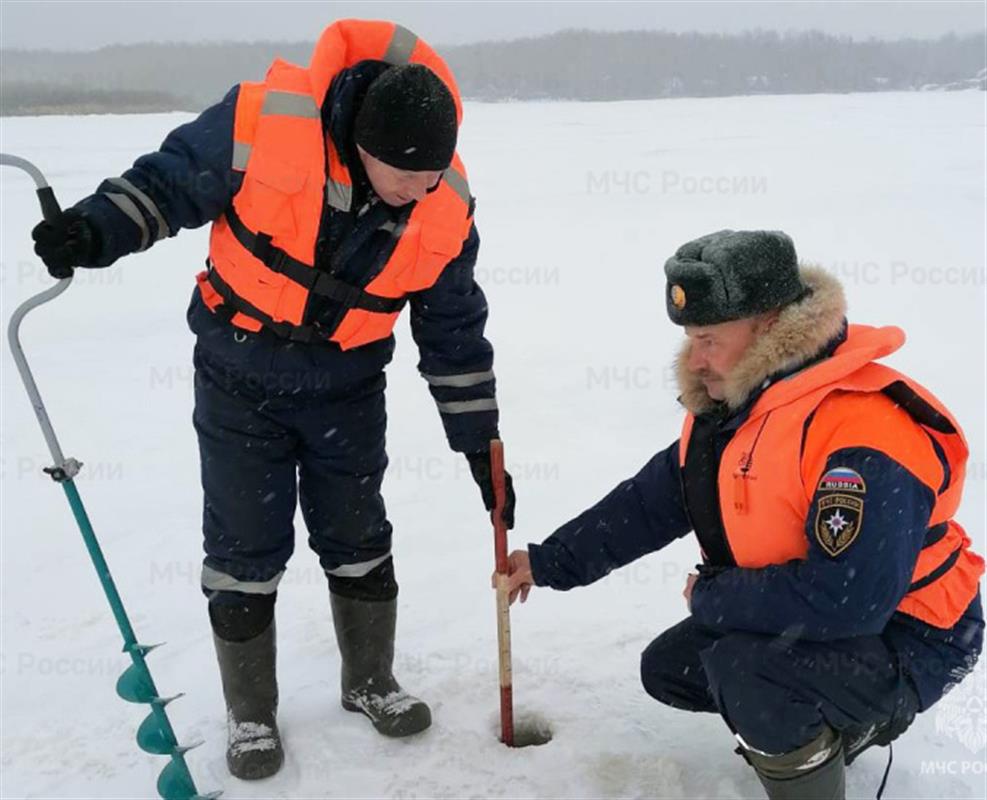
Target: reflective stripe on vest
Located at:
point(770, 468)
point(339, 187)
point(262, 250)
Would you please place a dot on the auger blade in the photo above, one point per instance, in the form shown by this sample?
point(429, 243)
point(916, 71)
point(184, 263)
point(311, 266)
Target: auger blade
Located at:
point(175, 782)
point(142, 649)
point(164, 701)
point(184, 748)
point(135, 685)
point(152, 737)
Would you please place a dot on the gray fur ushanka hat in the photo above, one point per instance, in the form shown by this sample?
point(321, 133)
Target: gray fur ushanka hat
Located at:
point(731, 275)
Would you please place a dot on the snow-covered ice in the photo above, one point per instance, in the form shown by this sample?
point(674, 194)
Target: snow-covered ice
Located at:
point(578, 206)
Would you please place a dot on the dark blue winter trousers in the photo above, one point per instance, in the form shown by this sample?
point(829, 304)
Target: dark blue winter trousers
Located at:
point(778, 693)
point(282, 425)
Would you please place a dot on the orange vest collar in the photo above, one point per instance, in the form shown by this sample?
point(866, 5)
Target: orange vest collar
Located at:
point(864, 344)
point(350, 41)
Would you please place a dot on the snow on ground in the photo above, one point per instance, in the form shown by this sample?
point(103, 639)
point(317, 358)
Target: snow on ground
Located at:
point(579, 205)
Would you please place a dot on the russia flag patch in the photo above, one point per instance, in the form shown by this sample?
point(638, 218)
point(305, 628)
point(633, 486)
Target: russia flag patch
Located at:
point(842, 479)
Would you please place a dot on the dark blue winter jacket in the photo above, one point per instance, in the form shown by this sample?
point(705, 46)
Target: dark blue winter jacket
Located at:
point(189, 182)
point(821, 598)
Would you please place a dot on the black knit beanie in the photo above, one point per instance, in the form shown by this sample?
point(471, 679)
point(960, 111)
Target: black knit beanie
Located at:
point(408, 119)
point(731, 275)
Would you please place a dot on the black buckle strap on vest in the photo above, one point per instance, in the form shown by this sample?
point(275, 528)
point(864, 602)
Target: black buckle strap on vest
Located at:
point(315, 280)
point(273, 257)
point(934, 534)
point(920, 410)
point(350, 296)
point(938, 572)
point(296, 333)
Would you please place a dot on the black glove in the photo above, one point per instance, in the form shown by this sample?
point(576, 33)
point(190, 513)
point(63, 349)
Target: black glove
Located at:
point(480, 467)
point(70, 241)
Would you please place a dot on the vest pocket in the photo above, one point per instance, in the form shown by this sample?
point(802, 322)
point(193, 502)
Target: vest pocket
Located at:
point(269, 193)
point(437, 246)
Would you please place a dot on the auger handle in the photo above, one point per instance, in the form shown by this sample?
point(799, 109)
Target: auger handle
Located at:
point(62, 468)
point(46, 195)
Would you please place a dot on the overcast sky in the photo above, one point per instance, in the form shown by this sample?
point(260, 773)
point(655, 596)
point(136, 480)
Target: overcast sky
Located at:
point(87, 25)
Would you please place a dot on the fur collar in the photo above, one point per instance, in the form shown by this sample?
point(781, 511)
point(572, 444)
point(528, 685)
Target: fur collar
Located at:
point(799, 334)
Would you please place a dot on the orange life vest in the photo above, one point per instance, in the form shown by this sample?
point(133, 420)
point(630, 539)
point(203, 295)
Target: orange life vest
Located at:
point(262, 249)
point(772, 466)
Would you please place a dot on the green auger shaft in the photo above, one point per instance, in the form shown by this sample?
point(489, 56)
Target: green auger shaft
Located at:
point(136, 685)
point(155, 734)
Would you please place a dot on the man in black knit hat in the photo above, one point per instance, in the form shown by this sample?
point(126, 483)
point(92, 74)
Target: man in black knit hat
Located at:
point(336, 197)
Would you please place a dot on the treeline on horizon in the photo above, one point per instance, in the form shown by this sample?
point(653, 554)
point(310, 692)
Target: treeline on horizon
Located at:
point(569, 65)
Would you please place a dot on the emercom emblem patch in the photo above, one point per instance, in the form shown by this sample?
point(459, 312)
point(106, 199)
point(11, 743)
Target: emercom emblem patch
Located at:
point(838, 521)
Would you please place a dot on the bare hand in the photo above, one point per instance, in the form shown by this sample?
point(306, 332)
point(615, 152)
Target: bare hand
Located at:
point(519, 578)
point(690, 583)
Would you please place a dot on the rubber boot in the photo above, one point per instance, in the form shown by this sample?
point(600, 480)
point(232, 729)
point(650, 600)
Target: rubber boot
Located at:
point(365, 635)
point(813, 772)
point(856, 741)
point(251, 690)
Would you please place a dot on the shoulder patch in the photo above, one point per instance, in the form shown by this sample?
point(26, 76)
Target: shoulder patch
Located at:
point(842, 479)
point(838, 521)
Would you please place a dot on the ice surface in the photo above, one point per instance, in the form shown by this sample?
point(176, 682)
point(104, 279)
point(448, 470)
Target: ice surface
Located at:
point(578, 206)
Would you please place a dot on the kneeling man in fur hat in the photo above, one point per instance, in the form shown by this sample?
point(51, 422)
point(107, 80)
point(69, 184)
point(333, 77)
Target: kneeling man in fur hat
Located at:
point(837, 596)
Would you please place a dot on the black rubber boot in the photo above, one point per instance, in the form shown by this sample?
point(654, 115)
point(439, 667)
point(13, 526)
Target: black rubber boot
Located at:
point(856, 741)
point(250, 687)
point(365, 634)
point(813, 772)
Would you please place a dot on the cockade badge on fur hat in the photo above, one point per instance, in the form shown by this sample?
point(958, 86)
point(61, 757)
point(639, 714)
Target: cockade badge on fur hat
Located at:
point(731, 275)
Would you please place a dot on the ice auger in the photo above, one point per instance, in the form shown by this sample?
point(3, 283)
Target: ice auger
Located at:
point(155, 734)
